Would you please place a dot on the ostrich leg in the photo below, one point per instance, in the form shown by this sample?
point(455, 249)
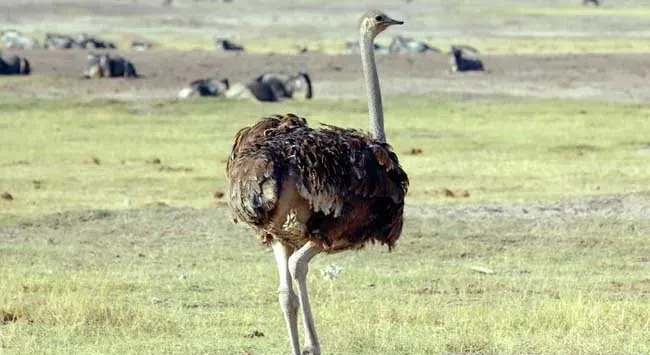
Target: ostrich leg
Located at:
point(286, 295)
point(298, 266)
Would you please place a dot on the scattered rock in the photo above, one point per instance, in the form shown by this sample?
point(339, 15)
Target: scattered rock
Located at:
point(157, 204)
point(445, 192)
point(156, 300)
point(415, 151)
point(335, 67)
point(218, 195)
point(155, 161)
point(482, 270)
point(9, 317)
point(428, 289)
point(17, 162)
point(92, 160)
point(255, 334)
point(7, 196)
point(175, 169)
point(37, 184)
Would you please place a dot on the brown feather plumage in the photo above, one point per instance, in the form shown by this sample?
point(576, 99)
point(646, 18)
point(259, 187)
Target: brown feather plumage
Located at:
point(348, 188)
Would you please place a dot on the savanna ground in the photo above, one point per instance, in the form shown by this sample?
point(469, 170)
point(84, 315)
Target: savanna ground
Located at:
point(527, 220)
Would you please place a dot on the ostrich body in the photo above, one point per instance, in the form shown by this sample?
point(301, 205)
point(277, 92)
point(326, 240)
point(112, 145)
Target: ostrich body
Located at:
point(311, 190)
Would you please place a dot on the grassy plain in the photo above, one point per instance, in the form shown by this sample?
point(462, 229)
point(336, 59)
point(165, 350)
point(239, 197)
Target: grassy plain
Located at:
point(172, 275)
point(498, 151)
point(114, 244)
point(497, 27)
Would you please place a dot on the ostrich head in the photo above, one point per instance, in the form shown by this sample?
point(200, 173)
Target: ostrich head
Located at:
point(375, 21)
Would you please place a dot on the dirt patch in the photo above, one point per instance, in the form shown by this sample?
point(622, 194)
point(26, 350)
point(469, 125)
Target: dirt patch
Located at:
point(167, 222)
point(634, 206)
point(606, 77)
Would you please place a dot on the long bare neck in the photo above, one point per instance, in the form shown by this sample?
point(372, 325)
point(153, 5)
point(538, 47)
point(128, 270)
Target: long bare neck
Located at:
point(375, 107)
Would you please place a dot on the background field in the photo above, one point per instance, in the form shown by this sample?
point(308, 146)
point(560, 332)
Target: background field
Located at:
point(527, 220)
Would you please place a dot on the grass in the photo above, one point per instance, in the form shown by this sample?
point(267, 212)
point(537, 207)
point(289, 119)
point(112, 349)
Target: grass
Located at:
point(189, 282)
point(640, 12)
point(180, 39)
point(503, 27)
point(517, 151)
point(160, 280)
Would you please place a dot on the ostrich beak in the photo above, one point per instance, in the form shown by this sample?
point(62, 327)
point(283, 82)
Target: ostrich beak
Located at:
point(390, 22)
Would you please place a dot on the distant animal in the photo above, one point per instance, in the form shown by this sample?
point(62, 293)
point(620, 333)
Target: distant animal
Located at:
point(12, 39)
point(459, 61)
point(405, 45)
point(59, 41)
point(205, 87)
point(227, 45)
point(107, 66)
point(592, 2)
point(89, 42)
point(466, 48)
point(80, 41)
point(274, 87)
point(352, 47)
point(302, 49)
point(308, 190)
point(15, 65)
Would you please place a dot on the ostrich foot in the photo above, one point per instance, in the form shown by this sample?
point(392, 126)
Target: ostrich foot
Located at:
point(310, 351)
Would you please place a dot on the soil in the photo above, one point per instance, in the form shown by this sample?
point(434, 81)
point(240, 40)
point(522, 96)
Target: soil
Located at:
point(188, 221)
point(608, 77)
point(603, 77)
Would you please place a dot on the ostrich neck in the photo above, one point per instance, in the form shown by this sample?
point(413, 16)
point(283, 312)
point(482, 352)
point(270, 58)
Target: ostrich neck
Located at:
point(375, 108)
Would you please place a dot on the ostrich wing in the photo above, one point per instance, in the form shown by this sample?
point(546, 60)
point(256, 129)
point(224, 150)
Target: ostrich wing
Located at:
point(332, 167)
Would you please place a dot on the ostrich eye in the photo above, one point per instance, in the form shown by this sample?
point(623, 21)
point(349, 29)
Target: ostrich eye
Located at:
point(379, 18)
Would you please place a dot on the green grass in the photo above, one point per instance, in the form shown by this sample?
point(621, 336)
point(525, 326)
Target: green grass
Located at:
point(516, 151)
point(187, 281)
point(501, 27)
point(640, 12)
point(486, 45)
point(180, 40)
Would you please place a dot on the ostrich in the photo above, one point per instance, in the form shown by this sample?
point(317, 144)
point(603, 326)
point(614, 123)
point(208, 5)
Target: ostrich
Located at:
point(318, 190)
